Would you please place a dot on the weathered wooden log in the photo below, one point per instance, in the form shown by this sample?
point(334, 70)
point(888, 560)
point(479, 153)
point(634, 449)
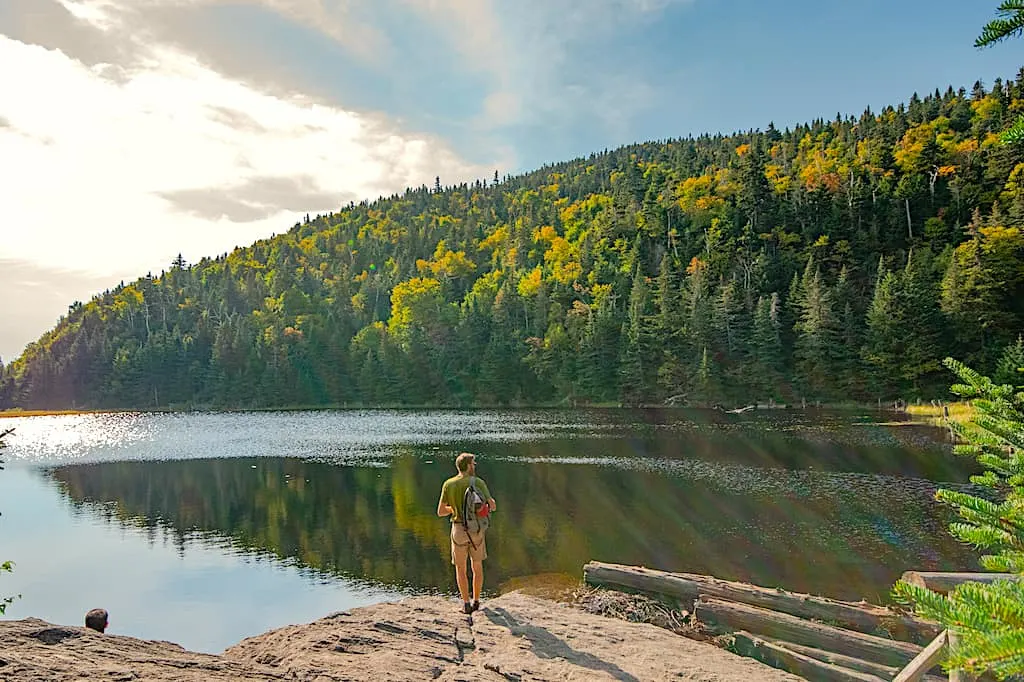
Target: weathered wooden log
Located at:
point(778, 656)
point(886, 672)
point(929, 657)
point(731, 616)
point(687, 587)
point(944, 582)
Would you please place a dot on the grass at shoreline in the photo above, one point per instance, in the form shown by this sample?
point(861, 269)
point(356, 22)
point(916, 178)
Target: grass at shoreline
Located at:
point(6, 414)
point(934, 416)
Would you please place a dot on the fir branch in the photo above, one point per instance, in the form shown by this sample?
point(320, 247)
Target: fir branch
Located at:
point(1010, 23)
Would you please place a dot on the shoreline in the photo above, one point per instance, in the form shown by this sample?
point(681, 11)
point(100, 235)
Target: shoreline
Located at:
point(934, 415)
point(512, 637)
point(927, 414)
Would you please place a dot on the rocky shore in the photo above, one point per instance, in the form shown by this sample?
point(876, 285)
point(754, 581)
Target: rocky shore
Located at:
point(514, 637)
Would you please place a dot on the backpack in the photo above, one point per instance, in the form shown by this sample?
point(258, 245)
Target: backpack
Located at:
point(475, 512)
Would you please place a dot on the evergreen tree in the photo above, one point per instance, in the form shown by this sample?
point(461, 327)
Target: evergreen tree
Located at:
point(731, 333)
point(988, 618)
point(885, 330)
point(637, 366)
point(1010, 369)
point(1010, 23)
point(924, 325)
point(817, 328)
point(706, 388)
point(769, 358)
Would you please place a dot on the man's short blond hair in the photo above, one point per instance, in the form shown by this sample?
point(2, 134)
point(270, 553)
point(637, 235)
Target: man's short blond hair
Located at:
point(463, 461)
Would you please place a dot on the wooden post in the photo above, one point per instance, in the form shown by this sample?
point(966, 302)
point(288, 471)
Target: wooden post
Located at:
point(957, 675)
point(929, 657)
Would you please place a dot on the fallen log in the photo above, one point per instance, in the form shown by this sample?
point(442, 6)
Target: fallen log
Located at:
point(730, 616)
point(687, 587)
point(944, 582)
point(886, 672)
point(778, 656)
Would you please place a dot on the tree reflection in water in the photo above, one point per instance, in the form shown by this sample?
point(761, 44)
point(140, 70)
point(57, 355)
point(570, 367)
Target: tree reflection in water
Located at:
point(762, 514)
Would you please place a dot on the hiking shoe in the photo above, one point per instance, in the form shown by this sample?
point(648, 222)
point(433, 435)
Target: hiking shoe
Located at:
point(467, 608)
point(476, 604)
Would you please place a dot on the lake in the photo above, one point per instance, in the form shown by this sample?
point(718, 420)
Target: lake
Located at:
point(203, 528)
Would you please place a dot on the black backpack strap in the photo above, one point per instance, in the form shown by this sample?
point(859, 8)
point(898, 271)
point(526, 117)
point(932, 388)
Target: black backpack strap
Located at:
point(466, 511)
point(465, 508)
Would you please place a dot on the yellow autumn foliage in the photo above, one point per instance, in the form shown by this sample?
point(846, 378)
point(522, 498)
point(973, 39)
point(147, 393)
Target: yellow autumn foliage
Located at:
point(530, 284)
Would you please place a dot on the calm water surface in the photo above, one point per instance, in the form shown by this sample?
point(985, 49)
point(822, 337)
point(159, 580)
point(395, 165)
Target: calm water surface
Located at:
point(206, 528)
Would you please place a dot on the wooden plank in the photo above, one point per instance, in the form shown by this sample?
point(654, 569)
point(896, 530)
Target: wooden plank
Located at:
point(687, 587)
point(730, 616)
point(944, 582)
point(777, 656)
point(930, 656)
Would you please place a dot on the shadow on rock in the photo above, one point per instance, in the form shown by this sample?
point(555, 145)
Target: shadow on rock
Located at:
point(546, 645)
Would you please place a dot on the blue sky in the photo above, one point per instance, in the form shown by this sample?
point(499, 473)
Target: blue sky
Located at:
point(627, 71)
point(194, 126)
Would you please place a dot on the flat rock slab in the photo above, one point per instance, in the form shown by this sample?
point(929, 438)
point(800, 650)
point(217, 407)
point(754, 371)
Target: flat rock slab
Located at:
point(33, 649)
point(513, 637)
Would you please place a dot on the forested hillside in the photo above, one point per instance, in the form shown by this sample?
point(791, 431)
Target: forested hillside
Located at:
point(836, 261)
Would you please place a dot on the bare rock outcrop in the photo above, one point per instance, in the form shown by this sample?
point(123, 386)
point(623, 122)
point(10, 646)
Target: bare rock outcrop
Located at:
point(33, 649)
point(513, 637)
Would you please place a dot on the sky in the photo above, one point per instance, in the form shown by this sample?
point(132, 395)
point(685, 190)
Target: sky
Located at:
point(134, 130)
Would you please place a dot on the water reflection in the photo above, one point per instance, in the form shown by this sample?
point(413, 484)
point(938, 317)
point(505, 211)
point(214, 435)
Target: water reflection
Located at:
point(835, 515)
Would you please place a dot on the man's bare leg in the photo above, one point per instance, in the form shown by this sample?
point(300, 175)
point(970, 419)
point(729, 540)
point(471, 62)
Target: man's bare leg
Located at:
point(463, 580)
point(478, 578)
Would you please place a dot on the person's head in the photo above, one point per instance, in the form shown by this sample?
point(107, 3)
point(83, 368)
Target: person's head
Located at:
point(466, 463)
point(96, 620)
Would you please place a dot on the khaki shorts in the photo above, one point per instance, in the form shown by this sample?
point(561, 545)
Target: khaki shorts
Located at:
point(463, 549)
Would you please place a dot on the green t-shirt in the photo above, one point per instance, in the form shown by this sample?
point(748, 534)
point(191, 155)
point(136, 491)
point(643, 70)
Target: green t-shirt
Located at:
point(453, 492)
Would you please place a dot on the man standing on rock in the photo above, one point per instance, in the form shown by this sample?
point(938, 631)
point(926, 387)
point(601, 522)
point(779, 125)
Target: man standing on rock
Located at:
point(468, 539)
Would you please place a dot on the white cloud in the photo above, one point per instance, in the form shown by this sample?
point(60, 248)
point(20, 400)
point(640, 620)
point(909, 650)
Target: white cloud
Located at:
point(33, 297)
point(96, 159)
point(119, 167)
point(341, 20)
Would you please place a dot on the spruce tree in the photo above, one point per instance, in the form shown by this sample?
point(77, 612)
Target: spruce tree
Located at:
point(769, 357)
point(923, 323)
point(988, 618)
point(668, 326)
point(846, 357)
point(730, 328)
point(1010, 23)
point(883, 346)
point(638, 358)
point(1011, 366)
point(816, 328)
